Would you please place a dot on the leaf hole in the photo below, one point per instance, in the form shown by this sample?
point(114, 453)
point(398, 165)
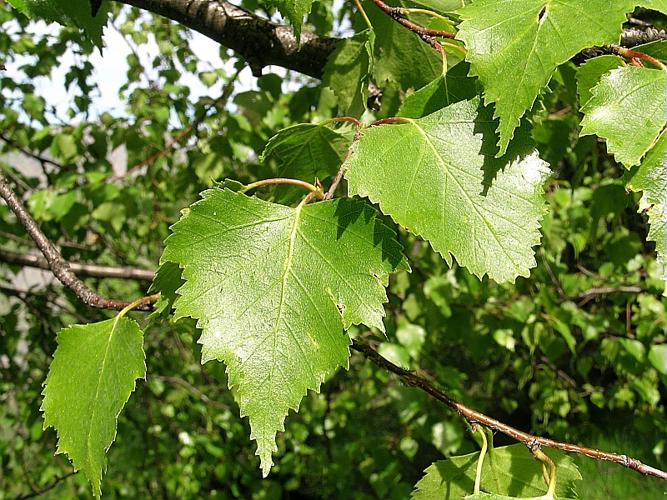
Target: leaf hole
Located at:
point(542, 15)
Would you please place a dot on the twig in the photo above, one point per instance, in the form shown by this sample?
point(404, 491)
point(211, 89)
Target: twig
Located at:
point(27, 152)
point(57, 264)
point(397, 15)
point(49, 487)
point(428, 35)
point(554, 279)
point(191, 388)
point(585, 297)
point(635, 54)
point(473, 416)
point(92, 270)
point(341, 171)
point(633, 37)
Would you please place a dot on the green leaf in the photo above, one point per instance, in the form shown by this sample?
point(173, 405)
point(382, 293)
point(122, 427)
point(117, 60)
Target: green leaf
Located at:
point(657, 49)
point(453, 86)
point(346, 72)
point(657, 356)
point(68, 13)
point(441, 5)
point(651, 178)
point(295, 11)
point(306, 151)
point(628, 109)
point(273, 287)
point(437, 177)
point(514, 46)
point(166, 281)
point(400, 55)
point(589, 74)
point(508, 470)
point(93, 372)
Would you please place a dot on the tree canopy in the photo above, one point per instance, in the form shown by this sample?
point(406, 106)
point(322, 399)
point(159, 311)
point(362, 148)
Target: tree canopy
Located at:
point(421, 246)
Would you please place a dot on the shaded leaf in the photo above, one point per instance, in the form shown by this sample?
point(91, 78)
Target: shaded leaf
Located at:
point(453, 86)
point(509, 470)
point(68, 13)
point(306, 151)
point(347, 70)
point(437, 177)
point(400, 55)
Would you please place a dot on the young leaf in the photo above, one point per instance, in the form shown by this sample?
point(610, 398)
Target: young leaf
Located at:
point(453, 86)
point(273, 287)
point(628, 109)
point(294, 10)
point(508, 470)
point(437, 177)
point(514, 46)
point(68, 13)
point(306, 151)
point(93, 372)
point(651, 178)
point(347, 70)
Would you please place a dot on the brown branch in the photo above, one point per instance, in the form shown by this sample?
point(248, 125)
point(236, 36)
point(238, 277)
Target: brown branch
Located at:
point(259, 41)
point(633, 36)
point(475, 417)
point(57, 264)
point(634, 54)
point(176, 381)
point(42, 159)
point(585, 297)
point(92, 270)
point(48, 487)
point(396, 14)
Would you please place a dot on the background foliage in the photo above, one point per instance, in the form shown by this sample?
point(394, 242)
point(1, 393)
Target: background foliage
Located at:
point(553, 353)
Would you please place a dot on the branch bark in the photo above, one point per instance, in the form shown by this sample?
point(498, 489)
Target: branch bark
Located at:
point(92, 270)
point(475, 417)
point(57, 264)
point(262, 43)
point(259, 41)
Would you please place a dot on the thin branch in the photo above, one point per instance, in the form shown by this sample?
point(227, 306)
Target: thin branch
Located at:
point(341, 171)
point(92, 270)
point(57, 264)
point(191, 388)
point(475, 417)
point(397, 15)
point(27, 152)
point(633, 36)
point(585, 297)
point(635, 54)
point(428, 35)
point(49, 487)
